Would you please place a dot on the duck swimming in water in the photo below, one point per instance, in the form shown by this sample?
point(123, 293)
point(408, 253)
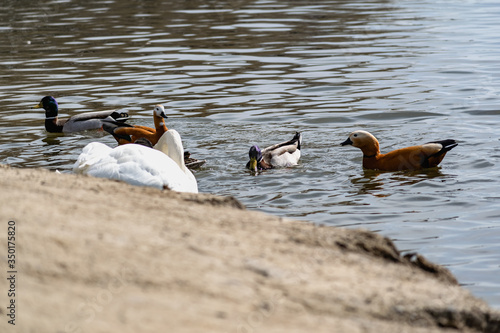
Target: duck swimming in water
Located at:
point(427, 155)
point(80, 122)
point(283, 154)
point(124, 133)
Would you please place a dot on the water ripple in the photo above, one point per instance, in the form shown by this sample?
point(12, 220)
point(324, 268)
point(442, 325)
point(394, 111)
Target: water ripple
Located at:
point(236, 73)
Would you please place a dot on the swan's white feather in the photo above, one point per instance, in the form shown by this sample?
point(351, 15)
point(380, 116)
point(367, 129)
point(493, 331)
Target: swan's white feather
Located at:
point(138, 165)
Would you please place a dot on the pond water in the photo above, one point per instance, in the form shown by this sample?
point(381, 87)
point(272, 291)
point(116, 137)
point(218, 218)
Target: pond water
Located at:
point(236, 73)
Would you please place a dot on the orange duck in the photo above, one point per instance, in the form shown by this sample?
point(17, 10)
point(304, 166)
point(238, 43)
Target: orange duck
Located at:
point(124, 133)
point(427, 155)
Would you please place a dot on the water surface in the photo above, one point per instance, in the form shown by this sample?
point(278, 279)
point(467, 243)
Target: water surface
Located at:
point(236, 73)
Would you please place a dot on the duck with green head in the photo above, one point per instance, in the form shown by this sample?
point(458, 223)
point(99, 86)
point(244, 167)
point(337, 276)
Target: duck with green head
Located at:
point(80, 122)
point(285, 154)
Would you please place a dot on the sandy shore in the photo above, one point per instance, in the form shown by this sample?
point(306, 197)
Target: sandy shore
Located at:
point(94, 255)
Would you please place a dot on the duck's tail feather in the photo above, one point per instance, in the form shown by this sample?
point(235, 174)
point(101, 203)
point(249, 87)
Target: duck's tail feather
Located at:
point(120, 116)
point(111, 125)
point(448, 144)
point(297, 138)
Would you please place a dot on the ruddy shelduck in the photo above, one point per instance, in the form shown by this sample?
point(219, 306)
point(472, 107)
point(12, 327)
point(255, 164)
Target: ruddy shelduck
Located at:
point(80, 122)
point(427, 155)
point(283, 154)
point(124, 133)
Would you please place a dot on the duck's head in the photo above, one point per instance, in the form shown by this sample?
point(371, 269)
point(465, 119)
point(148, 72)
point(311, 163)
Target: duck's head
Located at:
point(255, 157)
point(49, 104)
point(362, 140)
point(159, 111)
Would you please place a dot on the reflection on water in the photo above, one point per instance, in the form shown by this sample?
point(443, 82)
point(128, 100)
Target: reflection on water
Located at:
point(373, 183)
point(236, 73)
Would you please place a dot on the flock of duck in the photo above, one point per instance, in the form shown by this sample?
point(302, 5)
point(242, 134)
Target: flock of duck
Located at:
point(155, 156)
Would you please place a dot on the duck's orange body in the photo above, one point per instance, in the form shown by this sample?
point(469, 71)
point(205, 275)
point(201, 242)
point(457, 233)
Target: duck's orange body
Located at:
point(410, 158)
point(129, 134)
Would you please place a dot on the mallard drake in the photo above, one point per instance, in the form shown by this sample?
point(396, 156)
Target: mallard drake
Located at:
point(162, 167)
point(427, 155)
point(283, 154)
point(80, 122)
point(124, 133)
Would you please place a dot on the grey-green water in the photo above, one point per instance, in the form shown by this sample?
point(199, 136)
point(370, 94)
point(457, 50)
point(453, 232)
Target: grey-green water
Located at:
point(236, 73)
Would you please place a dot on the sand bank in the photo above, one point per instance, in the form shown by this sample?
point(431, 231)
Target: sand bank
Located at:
point(94, 255)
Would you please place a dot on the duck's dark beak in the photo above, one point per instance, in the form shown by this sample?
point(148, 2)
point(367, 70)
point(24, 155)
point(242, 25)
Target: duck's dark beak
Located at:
point(347, 142)
point(38, 106)
point(163, 115)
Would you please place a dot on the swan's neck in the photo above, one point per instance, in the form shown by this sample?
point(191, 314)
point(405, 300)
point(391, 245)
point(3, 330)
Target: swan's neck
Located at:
point(171, 145)
point(176, 152)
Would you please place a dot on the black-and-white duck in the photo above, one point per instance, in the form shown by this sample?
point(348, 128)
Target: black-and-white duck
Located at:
point(285, 154)
point(80, 122)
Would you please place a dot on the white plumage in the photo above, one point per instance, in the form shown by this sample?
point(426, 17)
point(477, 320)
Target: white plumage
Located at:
point(285, 154)
point(161, 167)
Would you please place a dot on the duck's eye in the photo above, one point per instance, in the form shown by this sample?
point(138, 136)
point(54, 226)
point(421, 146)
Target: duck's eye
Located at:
point(355, 135)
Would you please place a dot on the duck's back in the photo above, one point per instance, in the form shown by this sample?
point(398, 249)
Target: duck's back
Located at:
point(71, 125)
point(88, 120)
point(285, 159)
point(411, 158)
point(285, 154)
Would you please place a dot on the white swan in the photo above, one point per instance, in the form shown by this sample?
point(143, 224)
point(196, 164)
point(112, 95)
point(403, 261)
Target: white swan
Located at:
point(162, 167)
